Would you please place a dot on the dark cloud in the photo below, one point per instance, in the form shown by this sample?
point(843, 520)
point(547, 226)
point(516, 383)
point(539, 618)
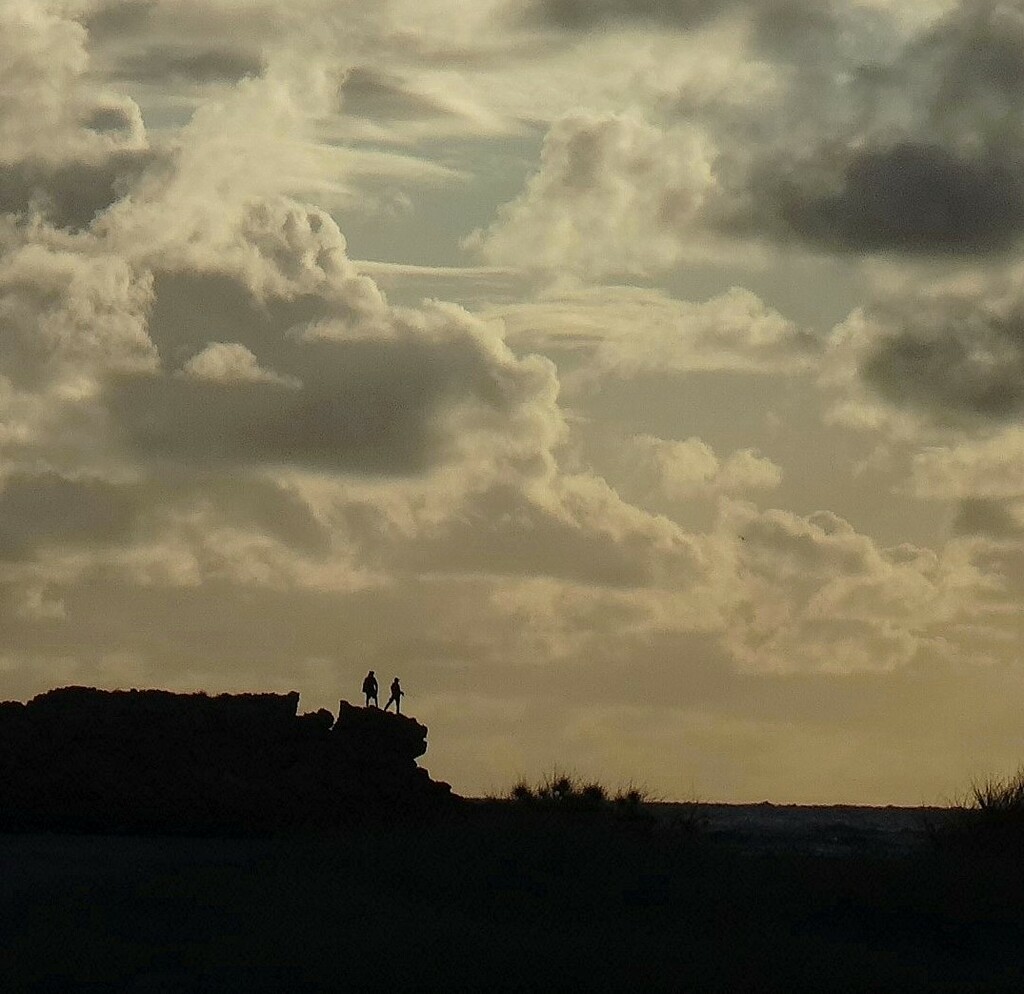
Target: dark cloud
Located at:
point(374, 418)
point(779, 28)
point(70, 194)
point(794, 28)
point(952, 362)
point(48, 509)
point(914, 197)
point(870, 143)
point(984, 516)
point(929, 160)
point(110, 119)
point(191, 309)
point(119, 18)
point(587, 15)
point(167, 64)
point(377, 95)
point(367, 405)
point(976, 55)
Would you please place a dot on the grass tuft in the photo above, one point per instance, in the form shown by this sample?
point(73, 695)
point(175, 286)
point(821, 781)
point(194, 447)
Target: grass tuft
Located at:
point(1000, 798)
point(989, 820)
point(567, 793)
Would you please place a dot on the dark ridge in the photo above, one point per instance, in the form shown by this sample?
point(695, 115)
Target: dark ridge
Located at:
point(84, 760)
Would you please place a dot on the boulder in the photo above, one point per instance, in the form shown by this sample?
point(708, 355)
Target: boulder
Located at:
point(372, 733)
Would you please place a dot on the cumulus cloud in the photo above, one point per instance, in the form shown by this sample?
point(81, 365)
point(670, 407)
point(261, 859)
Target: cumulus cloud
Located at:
point(684, 470)
point(68, 146)
point(610, 196)
point(208, 336)
point(774, 593)
point(984, 468)
point(816, 594)
point(371, 389)
point(232, 362)
point(69, 313)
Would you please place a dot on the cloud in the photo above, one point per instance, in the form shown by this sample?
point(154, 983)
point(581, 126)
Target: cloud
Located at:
point(920, 154)
point(371, 389)
point(208, 339)
point(935, 356)
point(587, 15)
point(232, 362)
point(117, 18)
point(995, 519)
point(627, 331)
point(48, 509)
point(772, 592)
point(950, 353)
point(609, 197)
point(170, 64)
point(911, 196)
point(987, 468)
point(684, 470)
point(381, 390)
point(573, 529)
point(69, 195)
point(367, 92)
point(813, 594)
point(362, 407)
point(69, 314)
point(68, 147)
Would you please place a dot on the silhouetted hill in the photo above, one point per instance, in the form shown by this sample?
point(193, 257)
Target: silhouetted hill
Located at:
point(82, 759)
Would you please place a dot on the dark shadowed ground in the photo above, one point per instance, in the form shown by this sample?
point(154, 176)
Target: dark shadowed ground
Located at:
point(726, 899)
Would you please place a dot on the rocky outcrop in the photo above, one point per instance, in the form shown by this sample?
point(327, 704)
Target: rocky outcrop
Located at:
point(81, 759)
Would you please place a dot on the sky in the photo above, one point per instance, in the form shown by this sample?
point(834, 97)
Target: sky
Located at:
point(642, 381)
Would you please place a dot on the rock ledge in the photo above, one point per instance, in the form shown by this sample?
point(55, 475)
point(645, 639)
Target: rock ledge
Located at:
point(82, 759)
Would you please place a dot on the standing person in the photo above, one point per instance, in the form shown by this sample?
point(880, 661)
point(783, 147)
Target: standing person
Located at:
point(370, 689)
point(396, 695)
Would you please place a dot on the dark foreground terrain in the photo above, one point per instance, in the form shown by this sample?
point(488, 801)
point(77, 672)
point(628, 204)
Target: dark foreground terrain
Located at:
point(152, 841)
point(496, 898)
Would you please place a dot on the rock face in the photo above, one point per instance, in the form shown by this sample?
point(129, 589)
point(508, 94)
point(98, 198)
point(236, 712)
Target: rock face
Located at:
point(80, 759)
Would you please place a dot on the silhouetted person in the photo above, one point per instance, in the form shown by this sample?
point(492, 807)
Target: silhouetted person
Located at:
point(396, 695)
point(370, 689)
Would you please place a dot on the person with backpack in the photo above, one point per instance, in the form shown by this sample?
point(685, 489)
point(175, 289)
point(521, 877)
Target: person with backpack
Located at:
point(370, 689)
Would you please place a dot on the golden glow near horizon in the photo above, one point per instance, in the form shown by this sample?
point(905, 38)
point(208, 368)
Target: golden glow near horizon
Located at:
point(642, 384)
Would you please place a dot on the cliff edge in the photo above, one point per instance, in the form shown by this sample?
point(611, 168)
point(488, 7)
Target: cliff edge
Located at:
point(81, 759)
